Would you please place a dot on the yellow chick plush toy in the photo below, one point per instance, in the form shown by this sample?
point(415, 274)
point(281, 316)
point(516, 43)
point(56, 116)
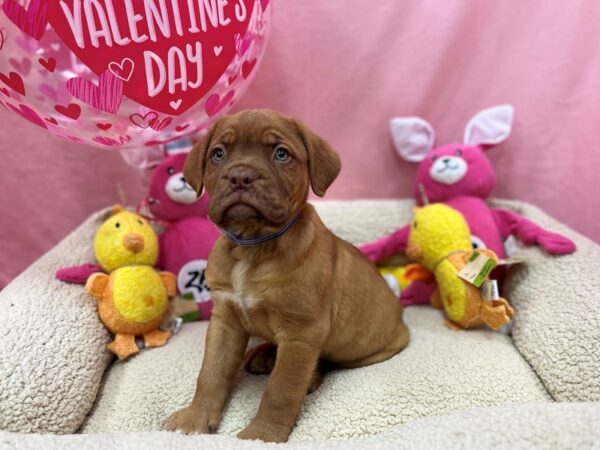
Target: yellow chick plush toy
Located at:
point(133, 298)
point(440, 240)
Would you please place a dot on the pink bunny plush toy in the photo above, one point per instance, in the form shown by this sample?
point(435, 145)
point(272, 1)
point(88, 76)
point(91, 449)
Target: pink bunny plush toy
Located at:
point(188, 235)
point(461, 176)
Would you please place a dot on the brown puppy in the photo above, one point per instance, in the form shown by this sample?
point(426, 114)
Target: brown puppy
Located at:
point(307, 291)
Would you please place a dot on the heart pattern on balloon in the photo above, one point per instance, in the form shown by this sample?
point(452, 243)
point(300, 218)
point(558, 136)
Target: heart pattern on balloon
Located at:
point(72, 110)
point(242, 45)
point(23, 66)
point(105, 96)
point(32, 21)
point(143, 121)
point(165, 72)
point(109, 142)
point(29, 114)
point(215, 103)
point(159, 125)
point(13, 81)
point(60, 94)
point(248, 67)
point(122, 70)
point(104, 126)
point(48, 64)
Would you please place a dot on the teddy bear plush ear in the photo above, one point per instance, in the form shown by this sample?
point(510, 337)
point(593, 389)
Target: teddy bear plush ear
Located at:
point(413, 137)
point(490, 126)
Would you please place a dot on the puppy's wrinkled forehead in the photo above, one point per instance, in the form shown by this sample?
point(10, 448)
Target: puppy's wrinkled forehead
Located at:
point(261, 133)
point(257, 127)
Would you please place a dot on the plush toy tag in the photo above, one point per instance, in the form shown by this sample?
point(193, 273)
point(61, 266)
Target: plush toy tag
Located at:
point(477, 269)
point(510, 261)
point(489, 290)
point(173, 325)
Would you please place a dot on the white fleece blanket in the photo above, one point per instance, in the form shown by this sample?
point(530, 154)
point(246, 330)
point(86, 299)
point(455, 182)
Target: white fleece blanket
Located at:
point(441, 371)
point(539, 426)
point(52, 353)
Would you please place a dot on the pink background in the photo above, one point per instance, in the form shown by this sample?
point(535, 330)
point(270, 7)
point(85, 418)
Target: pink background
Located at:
point(346, 67)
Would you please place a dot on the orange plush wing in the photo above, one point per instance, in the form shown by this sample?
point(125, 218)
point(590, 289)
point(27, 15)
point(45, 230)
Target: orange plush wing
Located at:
point(96, 284)
point(170, 282)
point(416, 272)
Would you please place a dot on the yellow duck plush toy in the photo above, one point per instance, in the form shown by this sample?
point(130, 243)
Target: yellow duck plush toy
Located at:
point(440, 240)
point(133, 298)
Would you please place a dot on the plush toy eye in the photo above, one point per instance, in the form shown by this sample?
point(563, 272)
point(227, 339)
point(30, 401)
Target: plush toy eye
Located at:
point(458, 152)
point(433, 158)
point(140, 222)
point(117, 225)
point(415, 224)
point(170, 170)
point(281, 154)
point(218, 154)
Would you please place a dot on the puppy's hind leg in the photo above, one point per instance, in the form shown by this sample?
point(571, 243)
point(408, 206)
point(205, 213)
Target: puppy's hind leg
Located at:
point(260, 360)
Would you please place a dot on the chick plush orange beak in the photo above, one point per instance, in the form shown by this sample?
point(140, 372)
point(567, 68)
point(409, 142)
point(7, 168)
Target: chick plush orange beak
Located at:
point(133, 242)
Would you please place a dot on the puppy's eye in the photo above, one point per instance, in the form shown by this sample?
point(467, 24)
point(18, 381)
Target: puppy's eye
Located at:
point(170, 170)
point(458, 152)
point(218, 154)
point(281, 154)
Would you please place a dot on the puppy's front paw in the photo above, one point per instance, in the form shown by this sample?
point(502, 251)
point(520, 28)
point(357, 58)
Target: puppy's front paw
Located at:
point(191, 420)
point(264, 431)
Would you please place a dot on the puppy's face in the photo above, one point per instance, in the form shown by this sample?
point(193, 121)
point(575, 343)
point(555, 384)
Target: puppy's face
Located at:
point(257, 167)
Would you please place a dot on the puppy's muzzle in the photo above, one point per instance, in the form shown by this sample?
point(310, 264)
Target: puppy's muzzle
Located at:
point(241, 178)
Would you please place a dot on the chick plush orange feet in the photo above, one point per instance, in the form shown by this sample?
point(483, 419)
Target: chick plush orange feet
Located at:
point(496, 313)
point(156, 338)
point(123, 346)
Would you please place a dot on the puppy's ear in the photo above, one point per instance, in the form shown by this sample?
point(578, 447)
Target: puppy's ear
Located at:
point(193, 168)
point(195, 163)
point(323, 162)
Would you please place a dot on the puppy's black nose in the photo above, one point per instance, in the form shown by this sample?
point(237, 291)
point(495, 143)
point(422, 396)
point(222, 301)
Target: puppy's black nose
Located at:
point(446, 160)
point(241, 179)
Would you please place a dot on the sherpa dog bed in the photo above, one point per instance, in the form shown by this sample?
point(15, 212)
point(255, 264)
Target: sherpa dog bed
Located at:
point(448, 389)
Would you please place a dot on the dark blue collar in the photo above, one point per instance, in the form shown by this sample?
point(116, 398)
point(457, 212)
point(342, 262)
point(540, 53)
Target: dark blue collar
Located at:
point(261, 239)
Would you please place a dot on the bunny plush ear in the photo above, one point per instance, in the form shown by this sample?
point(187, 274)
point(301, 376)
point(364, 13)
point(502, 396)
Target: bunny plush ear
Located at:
point(490, 126)
point(413, 137)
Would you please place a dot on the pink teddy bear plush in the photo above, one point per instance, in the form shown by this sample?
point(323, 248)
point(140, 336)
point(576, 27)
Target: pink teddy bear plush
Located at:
point(188, 236)
point(461, 176)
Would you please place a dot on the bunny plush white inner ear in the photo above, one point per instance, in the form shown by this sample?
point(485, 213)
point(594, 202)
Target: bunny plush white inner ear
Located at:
point(490, 126)
point(413, 137)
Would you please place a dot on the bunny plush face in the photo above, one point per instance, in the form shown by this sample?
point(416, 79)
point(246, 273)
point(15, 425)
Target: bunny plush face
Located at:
point(170, 197)
point(455, 170)
point(452, 170)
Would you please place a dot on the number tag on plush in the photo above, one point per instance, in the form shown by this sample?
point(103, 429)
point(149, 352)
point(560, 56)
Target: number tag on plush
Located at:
point(477, 269)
